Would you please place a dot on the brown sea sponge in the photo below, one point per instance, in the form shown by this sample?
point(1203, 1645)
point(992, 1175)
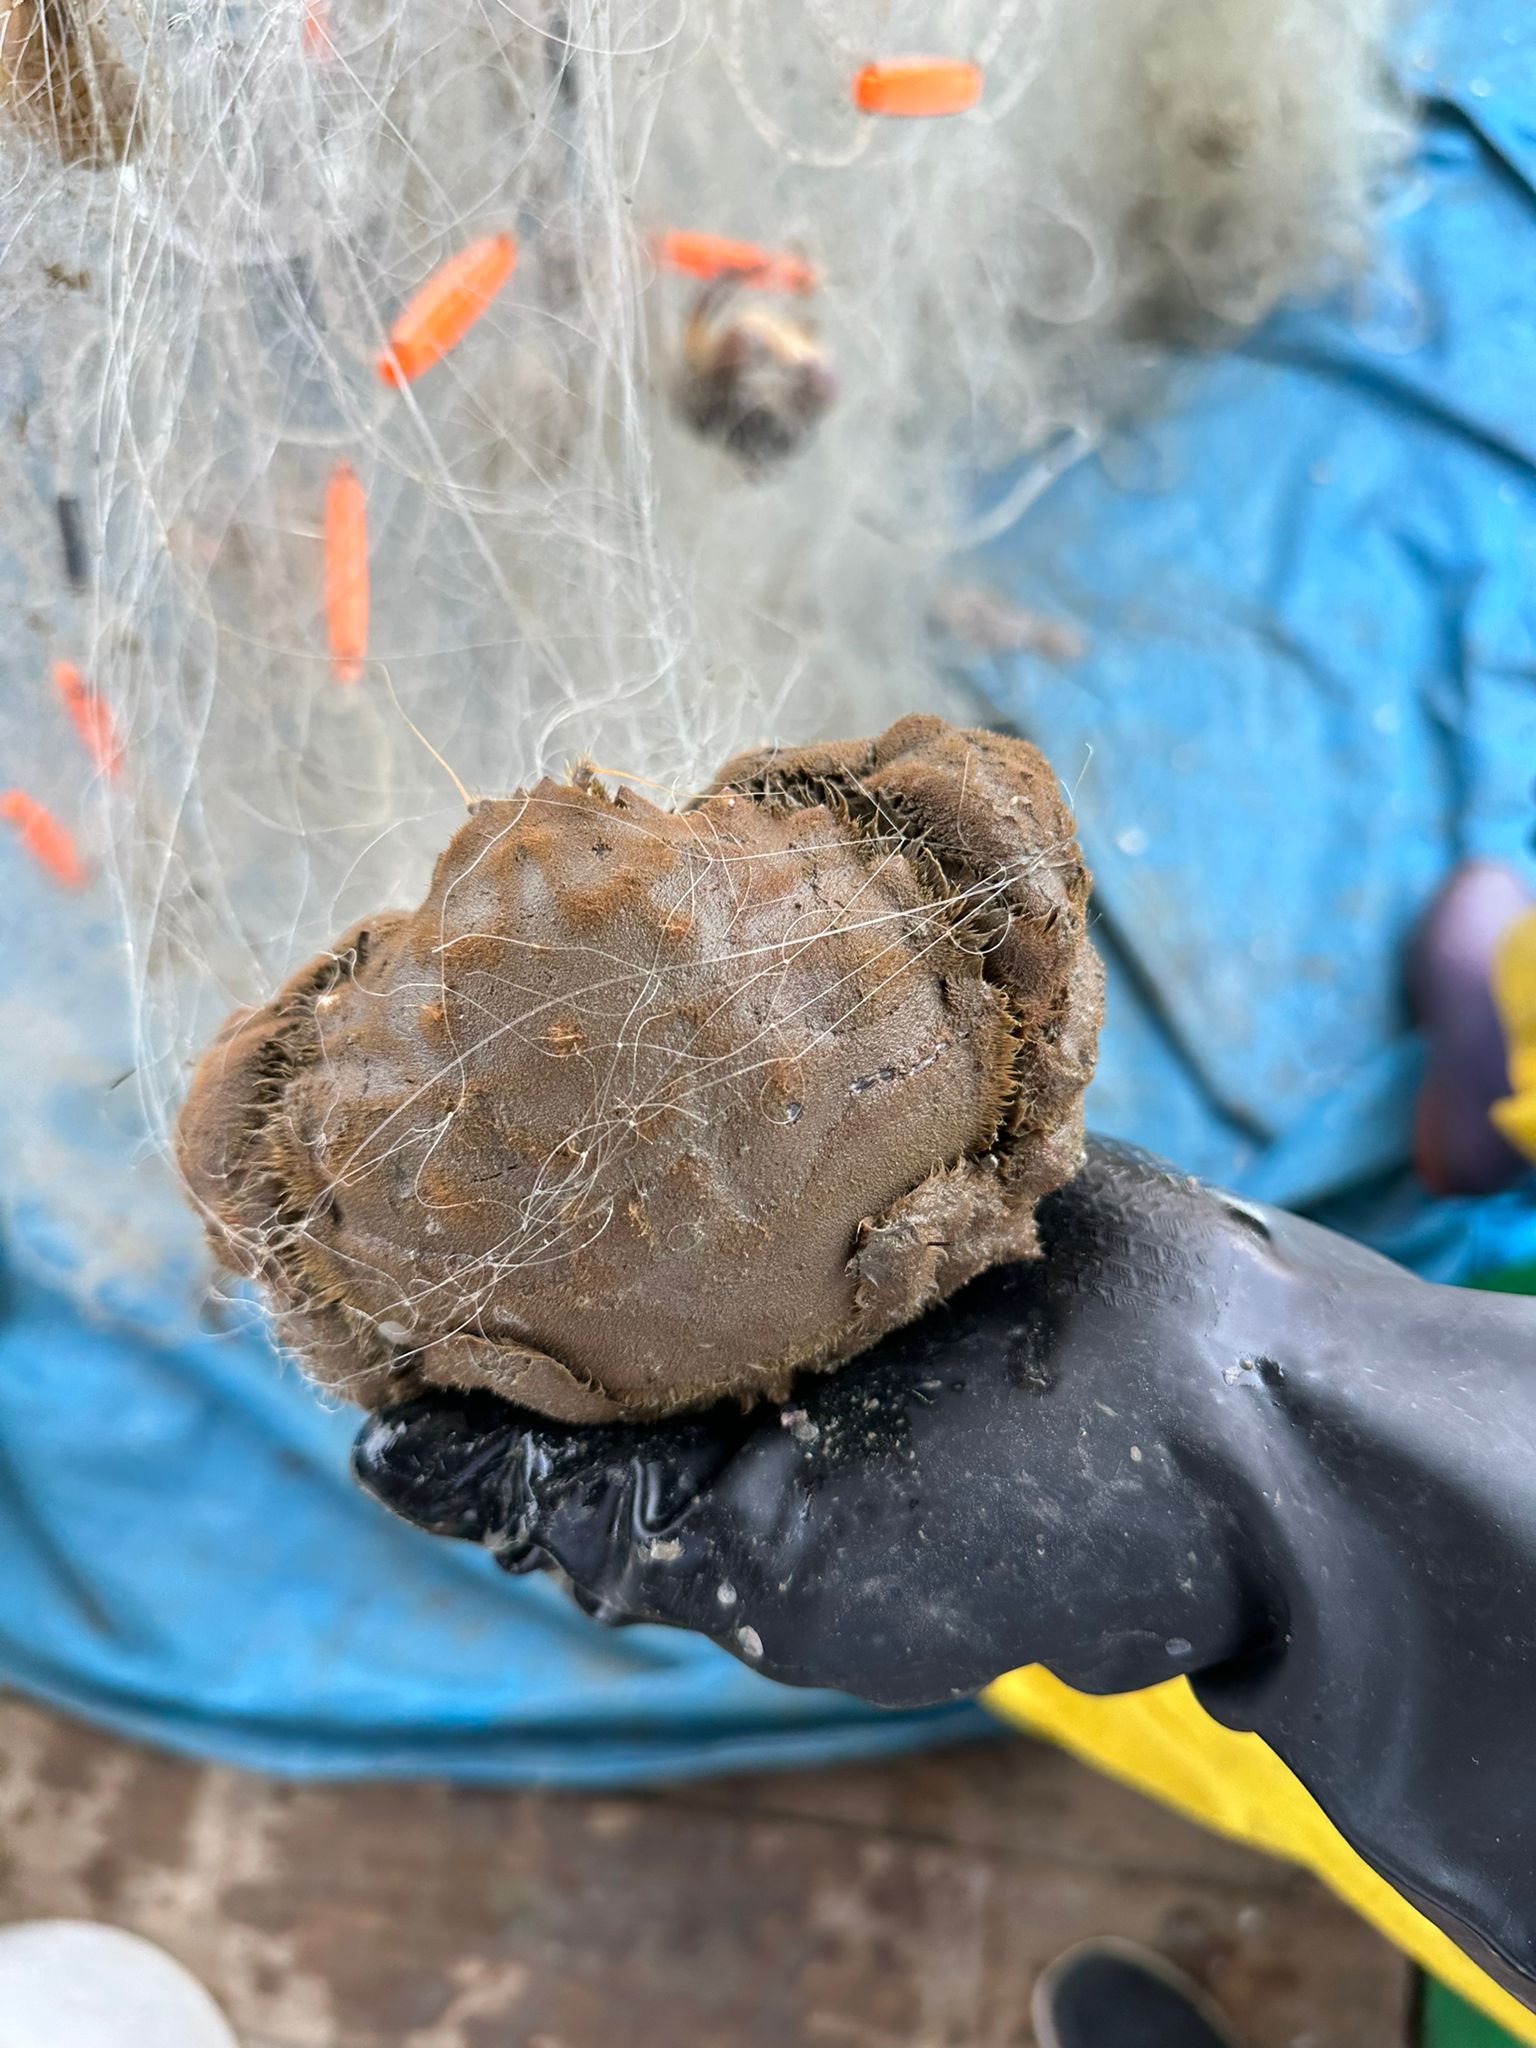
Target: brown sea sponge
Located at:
point(642, 1108)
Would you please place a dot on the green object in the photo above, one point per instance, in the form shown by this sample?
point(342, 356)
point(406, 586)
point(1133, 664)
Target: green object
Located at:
point(1511, 1280)
point(1446, 2021)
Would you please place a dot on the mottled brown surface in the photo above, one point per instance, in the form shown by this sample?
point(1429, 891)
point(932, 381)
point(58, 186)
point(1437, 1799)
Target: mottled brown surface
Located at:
point(905, 1905)
point(61, 78)
point(642, 1107)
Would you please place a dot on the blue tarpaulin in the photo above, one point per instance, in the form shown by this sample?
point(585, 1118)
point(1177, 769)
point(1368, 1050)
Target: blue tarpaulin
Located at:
point(1306, 591)
point(1308, 687)
point(187, 1560)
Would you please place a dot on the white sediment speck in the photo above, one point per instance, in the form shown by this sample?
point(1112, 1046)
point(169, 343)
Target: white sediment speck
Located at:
point(665, 1550)
point(751, 1642)
point(725, 1593)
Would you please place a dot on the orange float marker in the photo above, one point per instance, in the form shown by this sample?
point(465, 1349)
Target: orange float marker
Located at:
point(40, 832)
point(917, 88)
point(317, 31)
point(346, 574)
point(710, 256)
point(446, 307)
point(90, 715)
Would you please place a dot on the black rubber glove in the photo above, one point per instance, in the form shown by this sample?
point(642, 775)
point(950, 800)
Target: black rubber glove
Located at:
point(1195, 1436)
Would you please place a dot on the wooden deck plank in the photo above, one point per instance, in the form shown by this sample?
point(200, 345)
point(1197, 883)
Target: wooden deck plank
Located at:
point(902, 1905)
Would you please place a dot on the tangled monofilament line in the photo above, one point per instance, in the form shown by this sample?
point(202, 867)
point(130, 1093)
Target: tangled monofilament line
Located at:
point(195, 306)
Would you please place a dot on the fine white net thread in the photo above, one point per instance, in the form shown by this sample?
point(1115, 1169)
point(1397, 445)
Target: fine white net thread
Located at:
point(560, 567)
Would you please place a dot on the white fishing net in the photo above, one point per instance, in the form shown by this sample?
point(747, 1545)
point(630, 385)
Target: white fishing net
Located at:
point(212, 214)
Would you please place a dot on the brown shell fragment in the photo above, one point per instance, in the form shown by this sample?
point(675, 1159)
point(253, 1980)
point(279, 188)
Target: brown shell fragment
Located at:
point(642, 1108)
point(61, 77)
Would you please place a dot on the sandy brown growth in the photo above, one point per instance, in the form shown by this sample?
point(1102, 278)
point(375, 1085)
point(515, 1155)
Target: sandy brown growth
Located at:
point(642, 1108)
point(60, 76)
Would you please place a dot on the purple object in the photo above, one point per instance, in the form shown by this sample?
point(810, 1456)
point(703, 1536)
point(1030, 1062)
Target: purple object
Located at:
point(1456, 1150)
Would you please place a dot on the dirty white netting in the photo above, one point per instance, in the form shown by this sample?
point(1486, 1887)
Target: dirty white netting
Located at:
point(560, 567)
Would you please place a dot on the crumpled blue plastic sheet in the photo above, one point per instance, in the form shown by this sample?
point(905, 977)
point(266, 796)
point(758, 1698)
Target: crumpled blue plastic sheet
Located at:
point(1308, 687)
point(1306, 593)
point(186, 1560)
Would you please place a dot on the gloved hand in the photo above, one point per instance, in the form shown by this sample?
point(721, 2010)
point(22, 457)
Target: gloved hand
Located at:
point(1194, 1436)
